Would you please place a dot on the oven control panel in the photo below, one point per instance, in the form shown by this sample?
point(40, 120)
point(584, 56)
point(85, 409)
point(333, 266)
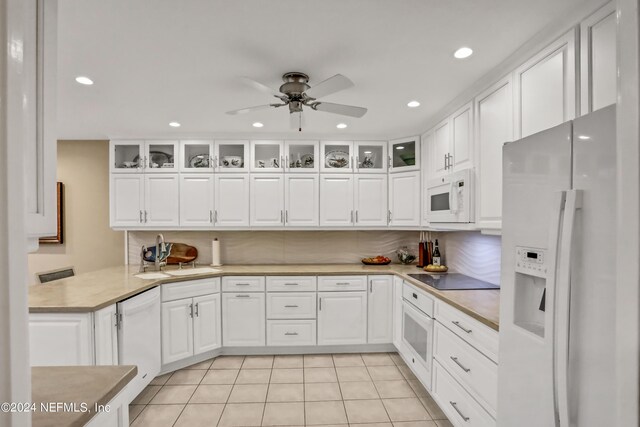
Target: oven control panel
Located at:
point(531, 261)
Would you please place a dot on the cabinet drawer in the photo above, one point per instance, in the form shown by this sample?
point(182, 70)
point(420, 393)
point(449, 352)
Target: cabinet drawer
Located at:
point(477, 373)
point(291, 332)
point(243, 284)
point(291, 305)
point(291, 283)
point(456, 403)
point(482, 337)
point(342, 283)
point(418, 298)
point(190, 289)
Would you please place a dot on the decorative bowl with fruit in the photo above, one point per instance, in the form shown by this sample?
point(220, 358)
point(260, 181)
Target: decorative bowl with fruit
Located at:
point(436, 268)
point(378, 260)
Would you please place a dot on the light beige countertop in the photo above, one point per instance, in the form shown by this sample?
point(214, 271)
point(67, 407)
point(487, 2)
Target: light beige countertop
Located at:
point(75, 386)
point(92, 291)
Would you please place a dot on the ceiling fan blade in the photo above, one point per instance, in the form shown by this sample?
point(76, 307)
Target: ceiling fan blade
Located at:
point(261, 87)
point(296, 121)
point(331, 85)
point(249, 109)
point(345, 110)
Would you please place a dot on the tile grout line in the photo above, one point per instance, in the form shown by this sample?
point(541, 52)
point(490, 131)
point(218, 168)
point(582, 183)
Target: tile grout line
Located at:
point(378, 391)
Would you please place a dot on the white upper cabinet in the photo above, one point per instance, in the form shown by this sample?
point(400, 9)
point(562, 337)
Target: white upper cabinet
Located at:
point(494, 119)
point(371, 156)
point(196, 156)
point(427, 139)
point(267, 200)
point(267, 156)
point(545, 88)
point(126, 156)
point(336, 156)
point(302, 200)
point(461, 152)
point(196, 200)
point(404, 154)
point(301, 156)
point(370, 200)
point(404, 199)
point(161, 156)
point(160, 194)
point(439, 150)
point(231, 156)
point(598, 59)
point(336, 200)
point(231, 200)
point(127, 200)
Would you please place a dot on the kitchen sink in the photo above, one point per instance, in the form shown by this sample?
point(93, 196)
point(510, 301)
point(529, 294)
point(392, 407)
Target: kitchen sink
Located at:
point(151, 275)
point(190, 271)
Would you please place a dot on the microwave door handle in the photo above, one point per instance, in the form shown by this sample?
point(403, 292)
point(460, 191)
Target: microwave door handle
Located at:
point(454, 197)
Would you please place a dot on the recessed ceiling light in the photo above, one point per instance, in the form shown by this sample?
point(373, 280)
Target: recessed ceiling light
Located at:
point(367, 152)
point(463, 52)
point(400, 147)
point(257, 125)
point(84, 80)
point(174, 124)
point(413, 104)
point(584, 137)
point(341, 125)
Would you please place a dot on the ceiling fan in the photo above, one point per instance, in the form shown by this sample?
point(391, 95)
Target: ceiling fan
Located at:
point(296, 93)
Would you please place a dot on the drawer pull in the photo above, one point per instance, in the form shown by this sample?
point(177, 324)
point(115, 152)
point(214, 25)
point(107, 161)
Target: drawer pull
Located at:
point(290, 306)
point(291, 284)
point(455, 406)
point(455, 322)
point(242, 296)
point(455, 359)
point(342, 283)
point(415, 296)
point(291, 333)
point(243, 284)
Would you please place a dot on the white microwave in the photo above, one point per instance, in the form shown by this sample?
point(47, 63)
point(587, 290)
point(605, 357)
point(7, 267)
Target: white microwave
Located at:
point(450, 198)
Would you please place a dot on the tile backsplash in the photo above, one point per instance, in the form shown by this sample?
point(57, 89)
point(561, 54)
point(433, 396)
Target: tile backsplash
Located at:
point(472, 253)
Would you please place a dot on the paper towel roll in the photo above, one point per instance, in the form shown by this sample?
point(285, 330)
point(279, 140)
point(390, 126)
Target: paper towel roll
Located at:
point(215, 252)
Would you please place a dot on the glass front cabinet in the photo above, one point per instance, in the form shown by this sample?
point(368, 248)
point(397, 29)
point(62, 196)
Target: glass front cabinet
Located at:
point(336, 156)
point(126, 156)
point(196, 156)
point(371, 156)
point(232, 156)
point(301, 156)
point(404, 154)
point(267, 156)
point(161, 156)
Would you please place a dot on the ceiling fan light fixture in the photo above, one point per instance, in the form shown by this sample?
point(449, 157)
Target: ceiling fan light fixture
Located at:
point(413, 104)
point(341, 125)
point(463, 52)
point(258, 125)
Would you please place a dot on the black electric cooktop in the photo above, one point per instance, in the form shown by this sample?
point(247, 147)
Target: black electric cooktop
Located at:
point(452, 282)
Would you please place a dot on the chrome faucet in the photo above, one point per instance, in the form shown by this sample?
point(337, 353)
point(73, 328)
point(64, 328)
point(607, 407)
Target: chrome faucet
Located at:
point(161, 247)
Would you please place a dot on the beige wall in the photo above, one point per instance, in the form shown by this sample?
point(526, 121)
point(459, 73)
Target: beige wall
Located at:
point(89, 243)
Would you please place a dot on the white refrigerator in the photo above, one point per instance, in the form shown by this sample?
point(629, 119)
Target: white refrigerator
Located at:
point(557, 297)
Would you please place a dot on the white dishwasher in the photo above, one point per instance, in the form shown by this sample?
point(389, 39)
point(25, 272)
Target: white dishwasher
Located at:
point(139, 337)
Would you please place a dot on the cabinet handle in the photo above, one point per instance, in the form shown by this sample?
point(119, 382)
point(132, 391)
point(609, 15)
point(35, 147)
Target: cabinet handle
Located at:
point(191, 310)
point(455, 406)
point(243, 284)
point(455, 322)
point(389, 163)
point(282, 162)
point(352, 217)
point(351, 161)
point(140, 216)
point(291, 306)
point(286, 162)
point(370, 286)
point(215, 162)
point(358, 162)
point(455, 359)
point(242, 296)
point(145, 216)
point(215, 216)
point(291, 284)
point(210, 216)
point(342, 283)
point(291, 333)
point(286, 216)
point(197, 311)
point(356, 216)
point(389, 217)
point(445, 162)
point(450, 161)
point(282, 217)
point(320, 304)
point(144, 162)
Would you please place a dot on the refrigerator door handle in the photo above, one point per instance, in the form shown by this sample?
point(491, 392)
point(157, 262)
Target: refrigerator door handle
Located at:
point(563, 305)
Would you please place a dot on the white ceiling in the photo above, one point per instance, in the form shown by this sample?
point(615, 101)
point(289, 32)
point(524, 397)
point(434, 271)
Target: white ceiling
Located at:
point(156, 61)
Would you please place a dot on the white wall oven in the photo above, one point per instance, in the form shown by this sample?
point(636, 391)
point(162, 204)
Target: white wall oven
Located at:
point(417, 332)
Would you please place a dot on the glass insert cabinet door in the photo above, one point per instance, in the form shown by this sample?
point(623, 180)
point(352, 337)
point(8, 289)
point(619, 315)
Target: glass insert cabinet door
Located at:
point(196, 156)
point(371, 156)
point(267, 156)
point(336, 156)
point(126, 156)
point(404, 154)
point(161, 156)
point(232, 156)
point(301, 156)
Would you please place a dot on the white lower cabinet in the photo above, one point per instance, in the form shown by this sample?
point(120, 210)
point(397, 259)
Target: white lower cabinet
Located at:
point(177, 330)
point(370, 200)
point(404, 199)
point(301, 200)
point(243, 319)
point(61, 339)
point(380, 310)
point(160, 193)
point(196, 200)
point(105, 329)
point(231, 200)
point(336, 200)
point(267, 200)
point(207, 323)
point(342, 318)
point(291, 332)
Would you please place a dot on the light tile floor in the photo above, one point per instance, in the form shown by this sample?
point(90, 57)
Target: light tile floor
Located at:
point(362, 390)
